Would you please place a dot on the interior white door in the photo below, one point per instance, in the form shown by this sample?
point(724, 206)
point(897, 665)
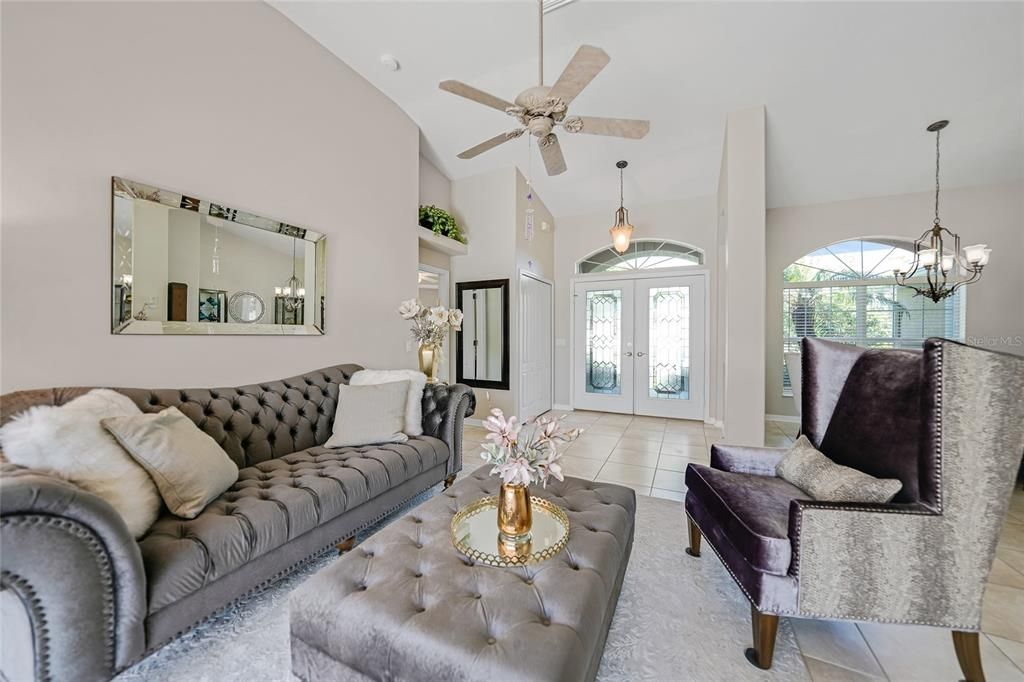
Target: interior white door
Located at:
point(603, 345)
point(669, 347)
point(536, 333)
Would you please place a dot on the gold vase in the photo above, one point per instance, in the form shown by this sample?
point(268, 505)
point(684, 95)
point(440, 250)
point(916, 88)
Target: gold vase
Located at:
point(430, 357)
point(515, 518)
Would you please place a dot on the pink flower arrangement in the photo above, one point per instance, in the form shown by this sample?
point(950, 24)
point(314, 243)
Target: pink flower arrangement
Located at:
point(522, 462)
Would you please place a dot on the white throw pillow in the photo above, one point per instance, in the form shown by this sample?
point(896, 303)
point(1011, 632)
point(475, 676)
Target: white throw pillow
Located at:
point(369, 414)
point(413, 406)
point(189, 468)
point(68, 441)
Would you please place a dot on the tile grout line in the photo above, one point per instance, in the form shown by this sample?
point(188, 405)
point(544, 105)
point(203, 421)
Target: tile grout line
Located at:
point(873, 654)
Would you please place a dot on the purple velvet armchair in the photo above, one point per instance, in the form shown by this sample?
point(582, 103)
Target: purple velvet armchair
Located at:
point(948, 422)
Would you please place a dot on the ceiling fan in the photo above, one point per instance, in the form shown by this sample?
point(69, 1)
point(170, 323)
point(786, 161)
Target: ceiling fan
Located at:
point(541, 108)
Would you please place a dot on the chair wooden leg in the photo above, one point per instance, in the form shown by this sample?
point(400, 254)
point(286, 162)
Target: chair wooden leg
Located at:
point(694, 548)
point(968, 653)
point(764, 627)
point(448, 481)
point(346, 545)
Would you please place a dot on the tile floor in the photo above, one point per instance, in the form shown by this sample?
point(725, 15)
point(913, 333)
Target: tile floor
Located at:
point(650, 455)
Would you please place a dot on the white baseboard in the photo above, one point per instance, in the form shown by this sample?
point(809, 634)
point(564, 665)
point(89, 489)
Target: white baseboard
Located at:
point(473, 422)
point(782, 418)
point(714, 422)
point(564, 408)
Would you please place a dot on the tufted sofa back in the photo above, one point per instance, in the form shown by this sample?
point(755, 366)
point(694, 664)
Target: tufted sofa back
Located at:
point(261, 421)
point(252, 423)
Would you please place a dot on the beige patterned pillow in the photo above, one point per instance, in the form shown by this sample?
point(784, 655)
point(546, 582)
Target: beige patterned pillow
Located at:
point(189, 468)
point(822, 479)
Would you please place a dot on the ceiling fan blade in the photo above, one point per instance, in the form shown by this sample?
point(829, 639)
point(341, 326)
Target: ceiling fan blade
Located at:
point(616, 127)
point(581, 69)
point(551, 152)
point(469, 92)
point(491, 143)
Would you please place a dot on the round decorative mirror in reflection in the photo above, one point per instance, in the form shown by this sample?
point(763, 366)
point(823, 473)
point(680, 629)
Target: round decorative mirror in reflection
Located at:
point(246, 307)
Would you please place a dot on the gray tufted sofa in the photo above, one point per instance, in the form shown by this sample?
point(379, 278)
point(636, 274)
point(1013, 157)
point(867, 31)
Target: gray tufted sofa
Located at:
point(95, 600)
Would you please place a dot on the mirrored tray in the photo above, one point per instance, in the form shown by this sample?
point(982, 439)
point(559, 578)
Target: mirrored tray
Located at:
point(474, 533)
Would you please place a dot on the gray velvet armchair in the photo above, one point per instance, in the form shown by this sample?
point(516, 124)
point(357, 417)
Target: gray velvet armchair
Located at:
point(948, 422)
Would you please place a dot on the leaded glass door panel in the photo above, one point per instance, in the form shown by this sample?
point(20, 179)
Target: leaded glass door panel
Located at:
point(669, 347)
point(603, 353)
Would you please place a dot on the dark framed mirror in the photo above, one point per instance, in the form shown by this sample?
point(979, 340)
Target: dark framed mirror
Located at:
point(482, 347)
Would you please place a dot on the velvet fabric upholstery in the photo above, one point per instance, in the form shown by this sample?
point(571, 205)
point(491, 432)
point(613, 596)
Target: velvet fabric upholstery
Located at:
point(876, 426)
point(746, 460)
point(404, 605)
point(98, 601)
point(73, 564)
point(955, 418)
point(769, 592)
point(753, 511)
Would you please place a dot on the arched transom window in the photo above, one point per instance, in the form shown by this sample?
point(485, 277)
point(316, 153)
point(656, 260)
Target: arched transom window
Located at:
point(642, 254)
point(845, 292)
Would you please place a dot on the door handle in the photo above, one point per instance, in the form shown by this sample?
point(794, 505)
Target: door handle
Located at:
point(629, 354)
point(640, 354)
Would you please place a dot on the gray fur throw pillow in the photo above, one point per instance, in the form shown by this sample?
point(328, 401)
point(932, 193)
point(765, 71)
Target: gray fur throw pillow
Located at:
point(822, 479)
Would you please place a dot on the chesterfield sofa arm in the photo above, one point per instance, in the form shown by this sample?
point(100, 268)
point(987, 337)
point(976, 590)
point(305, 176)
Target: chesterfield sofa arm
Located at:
point(445, 407)
point(71, 561)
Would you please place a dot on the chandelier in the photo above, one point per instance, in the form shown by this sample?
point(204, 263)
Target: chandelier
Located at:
point(622, 230)
point(944, 272)
point(292, 292)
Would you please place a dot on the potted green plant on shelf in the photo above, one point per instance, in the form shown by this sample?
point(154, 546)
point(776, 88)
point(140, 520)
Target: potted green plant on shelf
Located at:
point(440, 222)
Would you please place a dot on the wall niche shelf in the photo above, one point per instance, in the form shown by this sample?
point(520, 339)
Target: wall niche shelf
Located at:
point(443, 244)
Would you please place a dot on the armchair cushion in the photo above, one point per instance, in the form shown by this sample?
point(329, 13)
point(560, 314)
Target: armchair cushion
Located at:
point(752, 510)
point(823, 479)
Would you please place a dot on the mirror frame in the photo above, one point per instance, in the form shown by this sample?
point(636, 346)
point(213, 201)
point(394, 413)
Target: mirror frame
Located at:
point(132, 189)
point(503, 384)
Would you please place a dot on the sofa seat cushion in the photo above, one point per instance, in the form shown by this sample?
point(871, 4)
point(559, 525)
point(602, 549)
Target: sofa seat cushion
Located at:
point(752, 510)
point(271, 503)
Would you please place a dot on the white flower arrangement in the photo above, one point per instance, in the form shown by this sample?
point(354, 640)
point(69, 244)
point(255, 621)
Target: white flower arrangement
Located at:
point(430, 326)
point(534, 460)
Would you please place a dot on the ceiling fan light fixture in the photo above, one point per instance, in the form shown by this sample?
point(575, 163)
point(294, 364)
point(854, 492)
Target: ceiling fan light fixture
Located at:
point(622, 231)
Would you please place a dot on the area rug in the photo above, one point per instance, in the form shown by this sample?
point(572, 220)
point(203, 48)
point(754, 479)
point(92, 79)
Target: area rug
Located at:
point(678, 618)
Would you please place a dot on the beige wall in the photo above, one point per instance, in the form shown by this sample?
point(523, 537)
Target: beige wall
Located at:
point(743, 290)
point(485, 206)
point(691, 221)
point(491, 208)
point(993, 215)
point(249, 111)
point(435, 187)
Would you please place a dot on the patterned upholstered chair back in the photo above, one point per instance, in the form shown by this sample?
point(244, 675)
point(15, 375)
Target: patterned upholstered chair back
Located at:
point(252, 423)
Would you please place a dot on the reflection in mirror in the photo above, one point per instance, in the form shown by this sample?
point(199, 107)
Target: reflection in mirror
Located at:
point(183, 265)
point(482, 353)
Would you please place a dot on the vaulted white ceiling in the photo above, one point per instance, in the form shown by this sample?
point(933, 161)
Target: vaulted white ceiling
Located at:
point(848, 89)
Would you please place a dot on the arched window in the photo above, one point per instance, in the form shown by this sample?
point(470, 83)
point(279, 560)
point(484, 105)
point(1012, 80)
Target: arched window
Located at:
point(642, 254)
point(845, 292)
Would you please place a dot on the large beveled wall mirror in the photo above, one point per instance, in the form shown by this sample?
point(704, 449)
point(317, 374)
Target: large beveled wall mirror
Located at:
point(183, 265)
point(482, 354)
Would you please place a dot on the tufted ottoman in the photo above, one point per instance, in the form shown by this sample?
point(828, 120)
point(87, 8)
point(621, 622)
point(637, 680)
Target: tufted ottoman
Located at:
point(404, 605)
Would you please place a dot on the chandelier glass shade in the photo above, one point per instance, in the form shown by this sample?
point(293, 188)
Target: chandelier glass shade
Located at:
point(622, 231)
point(944, 270)
point(292, 292)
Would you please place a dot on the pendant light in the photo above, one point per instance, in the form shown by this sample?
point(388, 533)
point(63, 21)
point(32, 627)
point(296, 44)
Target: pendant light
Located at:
point(622, 230)
point(944, 273)
point(292, 291)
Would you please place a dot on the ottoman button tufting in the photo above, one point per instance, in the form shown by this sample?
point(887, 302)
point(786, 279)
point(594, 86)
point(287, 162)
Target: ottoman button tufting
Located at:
point(491, 640)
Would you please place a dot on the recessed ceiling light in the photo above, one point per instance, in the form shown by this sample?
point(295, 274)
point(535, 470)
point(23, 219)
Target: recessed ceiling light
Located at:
point(389, 62)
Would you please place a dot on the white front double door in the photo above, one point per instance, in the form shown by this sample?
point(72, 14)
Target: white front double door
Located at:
point(639, 346)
